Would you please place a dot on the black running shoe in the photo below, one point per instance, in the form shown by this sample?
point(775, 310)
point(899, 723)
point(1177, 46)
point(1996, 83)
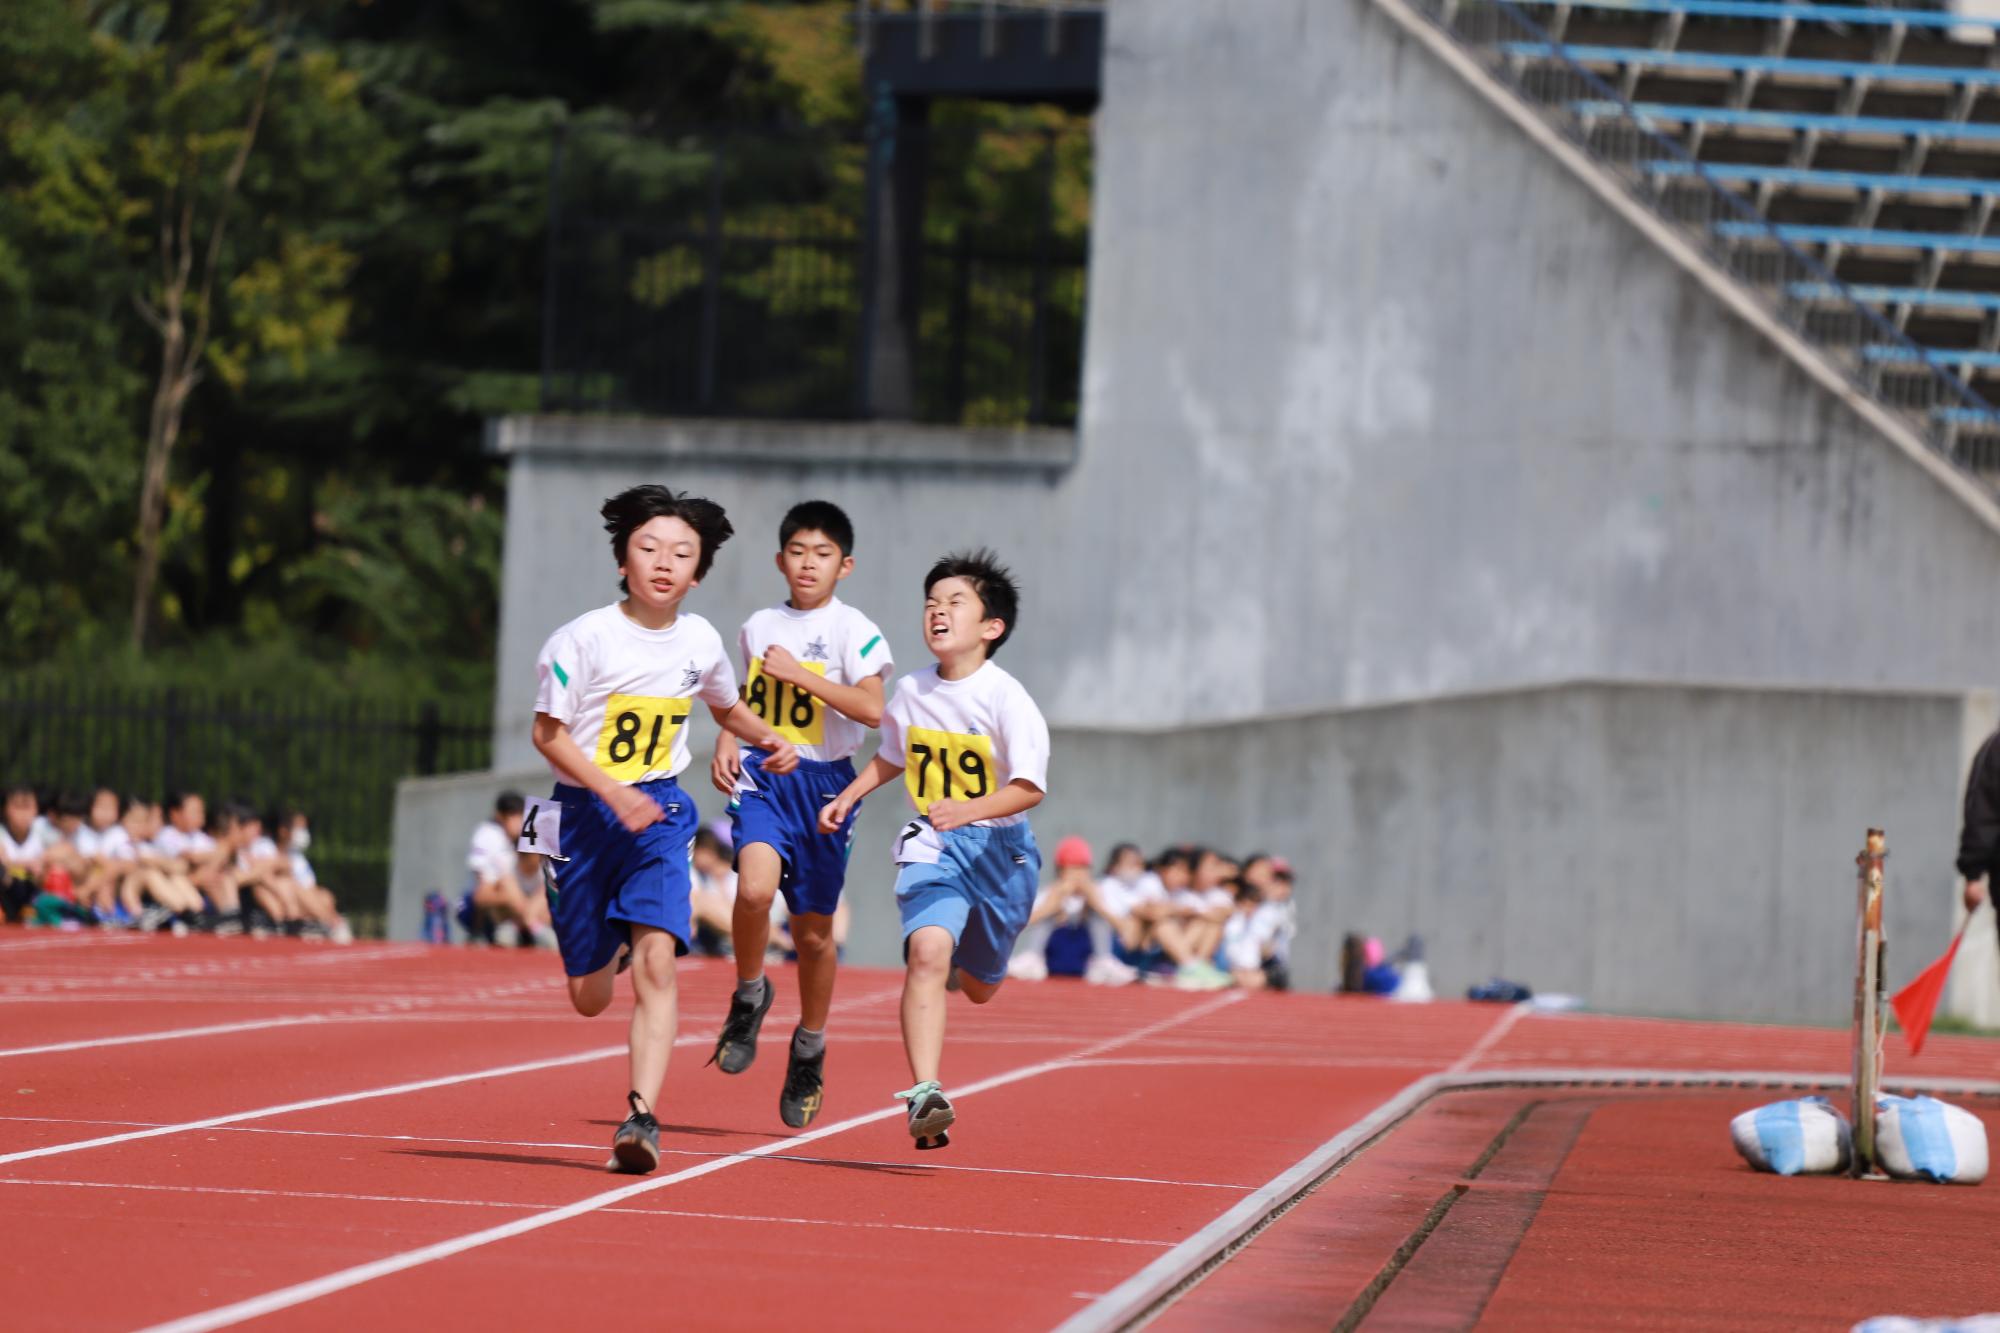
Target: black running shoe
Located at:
point(930, 1115)
point(737, 1046)
point(805, 1087)
point(635, 1148)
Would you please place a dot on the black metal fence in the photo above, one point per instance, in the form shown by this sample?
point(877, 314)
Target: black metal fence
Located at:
point(338, 762)
point(906, 273)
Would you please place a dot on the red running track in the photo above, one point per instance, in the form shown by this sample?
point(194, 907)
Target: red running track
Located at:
point(199, 1133)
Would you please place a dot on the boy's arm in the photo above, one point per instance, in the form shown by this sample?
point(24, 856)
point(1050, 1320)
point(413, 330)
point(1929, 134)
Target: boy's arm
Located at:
point(879, 772)
point(737, 719)
point(1017, 797)
point(635, 809)
point(862, 703)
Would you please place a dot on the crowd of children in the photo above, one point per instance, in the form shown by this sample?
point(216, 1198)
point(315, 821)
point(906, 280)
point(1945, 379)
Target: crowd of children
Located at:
point(1192, 916)
point(125, 862)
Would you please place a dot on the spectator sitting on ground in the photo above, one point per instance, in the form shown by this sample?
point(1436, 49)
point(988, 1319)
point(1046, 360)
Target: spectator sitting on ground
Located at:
point(1245, 938)
point(24, 846)
point(151, 891)
point(188, 849)
point(496, 907)
point(1056, 940)
point(73, 849)
point(271, 900)
point(1208, 901)
point(713, 900)
point(1281, 923)
point(292, 832)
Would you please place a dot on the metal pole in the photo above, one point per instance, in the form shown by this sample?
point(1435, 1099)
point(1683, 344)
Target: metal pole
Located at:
point(550, 259)
point(1869, 987)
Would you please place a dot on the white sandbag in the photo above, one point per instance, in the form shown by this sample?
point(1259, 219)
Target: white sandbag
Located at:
point(1922, 1138)
point(1805, 1136)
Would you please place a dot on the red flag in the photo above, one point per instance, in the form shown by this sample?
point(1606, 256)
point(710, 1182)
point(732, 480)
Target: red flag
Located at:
point(1917, 1002)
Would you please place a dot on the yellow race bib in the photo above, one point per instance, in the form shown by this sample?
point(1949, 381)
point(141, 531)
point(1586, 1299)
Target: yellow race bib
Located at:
point(946, 765)
point(638, 734)
point(786, 709)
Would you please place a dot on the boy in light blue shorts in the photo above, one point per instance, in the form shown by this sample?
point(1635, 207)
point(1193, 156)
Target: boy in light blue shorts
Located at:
point(973, 752)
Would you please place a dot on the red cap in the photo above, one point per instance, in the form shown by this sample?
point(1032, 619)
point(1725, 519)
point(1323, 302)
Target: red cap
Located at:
point(1073, 851)
point(1281, 865)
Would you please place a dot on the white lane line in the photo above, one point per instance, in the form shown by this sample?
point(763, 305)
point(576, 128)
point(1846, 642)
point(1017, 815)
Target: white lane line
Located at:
point(299, 1293)
point(597, 1149)
point(312, 1104)
point(66, 941)
point(758, 1218)
point(1494, 1035)
point(173, 1034)
point(341, 1099)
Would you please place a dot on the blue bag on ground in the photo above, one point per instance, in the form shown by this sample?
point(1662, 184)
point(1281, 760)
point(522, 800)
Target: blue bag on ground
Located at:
point(1922, 1138)
point(1805, 1136)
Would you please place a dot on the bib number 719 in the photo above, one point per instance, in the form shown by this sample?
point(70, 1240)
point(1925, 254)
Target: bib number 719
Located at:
point(946, 765)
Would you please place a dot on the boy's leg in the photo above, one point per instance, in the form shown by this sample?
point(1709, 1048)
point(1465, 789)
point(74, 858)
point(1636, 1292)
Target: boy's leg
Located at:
point(592, 994)
point(812, 936)
point(929, 952)
point(656, 1016)
point(758, 870)
point(977, 991)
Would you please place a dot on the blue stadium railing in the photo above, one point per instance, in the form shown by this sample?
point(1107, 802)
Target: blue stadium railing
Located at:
point(1801, 291)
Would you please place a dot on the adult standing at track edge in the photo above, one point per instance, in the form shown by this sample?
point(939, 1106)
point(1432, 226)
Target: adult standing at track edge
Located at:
point(1979, 836)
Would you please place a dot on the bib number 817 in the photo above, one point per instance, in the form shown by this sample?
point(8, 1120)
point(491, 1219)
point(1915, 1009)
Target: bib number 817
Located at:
point(638, 734)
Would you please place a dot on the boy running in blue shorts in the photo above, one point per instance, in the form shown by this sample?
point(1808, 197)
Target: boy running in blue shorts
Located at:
point(615, 688)
point(814, 669)
point(973, 752)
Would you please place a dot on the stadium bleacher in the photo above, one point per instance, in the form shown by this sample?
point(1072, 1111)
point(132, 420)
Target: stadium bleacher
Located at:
point(1864, 138)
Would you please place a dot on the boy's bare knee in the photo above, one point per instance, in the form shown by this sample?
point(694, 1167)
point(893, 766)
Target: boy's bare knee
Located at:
point(756, 897)
point(813, 936)
point(929, 951)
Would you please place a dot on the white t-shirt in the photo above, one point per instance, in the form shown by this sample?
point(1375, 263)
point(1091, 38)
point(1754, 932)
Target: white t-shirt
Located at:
point(964, 739)
point(87, 841)
point(302, 870)
point(1278, 922)
point(723, 882)
point(626, 692)
point(172, 842)
point(1244, 936)
point(491, 857)
point(837, 642)
point(27, 849)
point(1121, 898)
point(114, 843)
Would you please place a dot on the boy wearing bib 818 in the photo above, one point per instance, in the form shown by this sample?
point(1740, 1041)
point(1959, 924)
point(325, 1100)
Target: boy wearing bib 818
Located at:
point(973, 753)
point(815, 671)
point(616, 687)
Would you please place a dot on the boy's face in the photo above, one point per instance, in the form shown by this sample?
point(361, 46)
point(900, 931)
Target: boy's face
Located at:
point(660, 560)
point(248, 831)
point(1212, 870)
point(103, 810)
point(20, 813)
point(189, 815)
point(812, 564)
point(68, 822)
point(137, 822)
point(1074, 878)
point(955, 622)
point(708, 862)
point(1174, 874)
point(511, 824)
point(1279, 890)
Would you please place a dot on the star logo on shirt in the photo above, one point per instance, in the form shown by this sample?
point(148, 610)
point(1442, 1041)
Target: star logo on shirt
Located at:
point(691, 678)
point(816, 651)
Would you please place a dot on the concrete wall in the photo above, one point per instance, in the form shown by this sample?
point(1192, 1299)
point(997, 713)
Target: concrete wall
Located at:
point(1383, 407)
point(434, 822)
point(1655, 848)
point(1381, 403)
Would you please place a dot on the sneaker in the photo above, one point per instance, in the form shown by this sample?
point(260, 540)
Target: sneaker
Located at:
point(1202, 976)
point(544, 937)
point(155, 917)
point(635, 1148)
point(1104, 970)
point(805, 1087)
point(230, 923)
point(341, 932)
point(507, 935)
point(1028, 965)
point(930, 1115)
point(736, 1047)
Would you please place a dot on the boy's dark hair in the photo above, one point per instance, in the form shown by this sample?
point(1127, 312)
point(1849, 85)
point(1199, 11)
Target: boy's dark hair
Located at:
point(1242, 890)
point(707, 840)
point(629, 510)
point(281, 817)
point(1173, 856)
point(1119, 851)
point(18, 788)
point(817, 516)
point(992, 582)
point(72, 803)
point(176, 799)
point(509, 803)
